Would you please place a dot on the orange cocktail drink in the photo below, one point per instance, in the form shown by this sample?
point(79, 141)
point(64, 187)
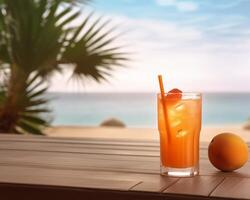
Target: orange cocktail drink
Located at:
point(179, 124)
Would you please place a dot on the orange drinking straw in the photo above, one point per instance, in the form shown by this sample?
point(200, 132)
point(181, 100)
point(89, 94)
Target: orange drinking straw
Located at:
point(164, 104)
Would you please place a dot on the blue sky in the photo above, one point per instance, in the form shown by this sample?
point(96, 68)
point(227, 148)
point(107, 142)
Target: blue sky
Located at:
point(233, 16)
point(199, 45)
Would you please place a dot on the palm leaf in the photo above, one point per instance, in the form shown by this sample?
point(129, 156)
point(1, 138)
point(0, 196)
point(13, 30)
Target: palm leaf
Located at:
point(34, 120)
point(24, 126)
point(80, 28)
point(30, 113)
point(92, 53)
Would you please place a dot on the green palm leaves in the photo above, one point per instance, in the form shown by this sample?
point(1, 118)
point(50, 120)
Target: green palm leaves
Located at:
point(37, 38)
point(32, 113)
point(92, 47)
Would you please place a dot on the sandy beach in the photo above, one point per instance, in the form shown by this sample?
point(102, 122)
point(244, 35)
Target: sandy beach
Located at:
point(207, 132)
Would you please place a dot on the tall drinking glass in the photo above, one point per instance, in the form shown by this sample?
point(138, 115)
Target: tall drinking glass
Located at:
point(179, 124)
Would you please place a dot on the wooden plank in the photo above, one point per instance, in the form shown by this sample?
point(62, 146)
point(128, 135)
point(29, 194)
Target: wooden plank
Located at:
point(233, 187)
point(88, 174)
point(82, 156)
point(118, 163)
point(138, 164)
point(108, 141)
point(107, 159)
point(198, 185)
point(31, 192)
point(61, 178)
point(158, 184)
point(70, 179)
point(98, 162)
point(87, 148)
point(81, 150)
point(38, 143)
point(6, 143)
point(74, 161)
point(103, 141)
point(122, 150)
point(77, 179)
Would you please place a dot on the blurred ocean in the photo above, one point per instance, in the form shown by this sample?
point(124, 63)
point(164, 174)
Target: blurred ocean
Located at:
point(139, 109)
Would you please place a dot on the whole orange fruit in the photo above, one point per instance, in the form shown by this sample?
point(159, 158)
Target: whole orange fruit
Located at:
point(227, 152)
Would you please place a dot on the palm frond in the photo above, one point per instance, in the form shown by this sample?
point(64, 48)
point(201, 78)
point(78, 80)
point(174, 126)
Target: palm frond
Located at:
point(29, 115)
point(35, 33)
point(33, 113)
point(91, 50)
point(26, 126)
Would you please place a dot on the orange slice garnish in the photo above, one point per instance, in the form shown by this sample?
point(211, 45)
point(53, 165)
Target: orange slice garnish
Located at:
point(174, 94)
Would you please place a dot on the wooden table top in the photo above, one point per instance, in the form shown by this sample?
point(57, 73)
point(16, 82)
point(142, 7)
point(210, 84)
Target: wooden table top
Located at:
point(35, 167)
